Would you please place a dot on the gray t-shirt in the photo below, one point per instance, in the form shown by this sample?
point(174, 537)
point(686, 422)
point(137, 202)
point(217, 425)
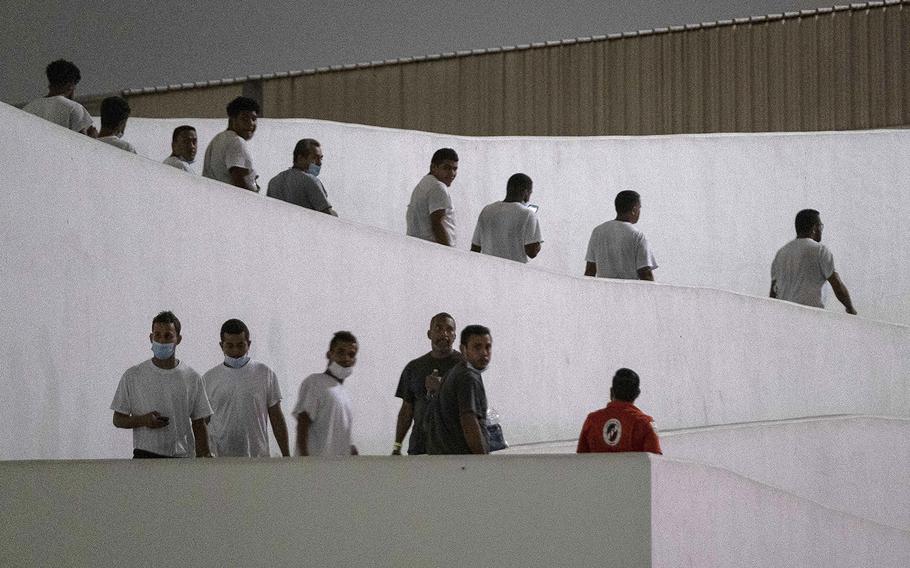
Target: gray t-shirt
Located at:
point(300, 188)
point(412, 389)
point(462, 391)
point(619, 250)
point(180, 164)
point(118, 142)
point(504, 228)
point(800, 270)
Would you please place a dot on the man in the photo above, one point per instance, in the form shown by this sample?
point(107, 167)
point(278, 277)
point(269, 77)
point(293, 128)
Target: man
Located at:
point(227, 158)
point(183, 148)
point(802, 266)
point(509, 228)
point(412, 386)
point(244, 394)
point(620, 427)
point(430, 215)
point(617, 249)
point(58, 106)
point(323, 411)
point(300, 184)
point(163, 400)
point(457, 425)
point(114, 113)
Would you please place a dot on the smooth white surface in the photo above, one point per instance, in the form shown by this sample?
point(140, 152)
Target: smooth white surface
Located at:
point(97, 241)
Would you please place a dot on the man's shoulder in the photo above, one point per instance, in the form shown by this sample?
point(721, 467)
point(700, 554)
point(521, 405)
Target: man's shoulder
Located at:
point(138, 369)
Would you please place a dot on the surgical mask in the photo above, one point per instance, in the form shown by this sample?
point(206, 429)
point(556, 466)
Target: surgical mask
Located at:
point(236, 363)
point(484, 370)
point(163, 351)
point(313, 169)
point(339, 372)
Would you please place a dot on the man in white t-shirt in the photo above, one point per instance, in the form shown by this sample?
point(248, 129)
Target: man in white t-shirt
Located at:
point(617, 249)
point(323, 411)
point(509, 228)
point(58, 106)
point(183, 148)
point(115, 111)
point(163, 400)
point(245, 397)
point(227, 158)
point(430, 214)
point(300, 184)
point(802, 266)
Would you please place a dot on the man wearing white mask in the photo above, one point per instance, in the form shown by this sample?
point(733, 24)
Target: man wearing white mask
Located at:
point(323, 411)
point(300, 184)
point(245, 398)
point(163, 400)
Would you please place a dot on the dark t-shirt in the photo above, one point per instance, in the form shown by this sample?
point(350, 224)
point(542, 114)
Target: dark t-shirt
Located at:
point(462, 391)
point(412, 389)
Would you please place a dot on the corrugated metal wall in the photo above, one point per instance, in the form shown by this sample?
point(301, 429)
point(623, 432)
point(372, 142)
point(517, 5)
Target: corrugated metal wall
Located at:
point(830, 69)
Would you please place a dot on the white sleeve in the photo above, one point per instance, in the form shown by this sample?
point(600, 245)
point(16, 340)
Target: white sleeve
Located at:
point(80, 119)
point(477, 239)
point(273, 393)
point(825, 262)
point(644, 258)
point(438, 198)
point(121, 402)
point(236, 155)
point(532, 230)
point(201, 406)
point(591, 255)
point(308, 401)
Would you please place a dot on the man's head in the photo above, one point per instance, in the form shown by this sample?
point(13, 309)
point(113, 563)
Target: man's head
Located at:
point(307, 153)
point(477, 346)
point(444, 165)
point(628, 206)
point(184, 143)
point(809, 225)
point(62, 78)
point(343, 349)
point(625, 386)
point(235, 338)
point(242, 115)
point(442, 333)
point(518, 188)
point(114, 112)
point(165, 328)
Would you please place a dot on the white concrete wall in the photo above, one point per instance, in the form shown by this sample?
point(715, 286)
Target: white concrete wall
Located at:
point(97, 241)
point(716, 207)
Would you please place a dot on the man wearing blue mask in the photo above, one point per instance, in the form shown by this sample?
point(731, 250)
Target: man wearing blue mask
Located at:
point(163, 400)
point(245, 398)
point(300, 184)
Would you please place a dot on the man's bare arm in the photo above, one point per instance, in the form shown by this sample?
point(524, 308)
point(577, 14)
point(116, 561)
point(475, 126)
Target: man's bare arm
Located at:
point(646, 274)
point(477, 442)
point(303, 430)
point(405, 418)
point(532, 250)
point(151, 420)
point(439, 231)
point(201, 433)
point(238, 178)
point(591, 269)
point(841, 292)
point(773, 292)
point(279, 428)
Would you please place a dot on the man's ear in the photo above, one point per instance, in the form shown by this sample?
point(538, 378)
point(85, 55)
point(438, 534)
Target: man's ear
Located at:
point(179, 339)
point(150, 338)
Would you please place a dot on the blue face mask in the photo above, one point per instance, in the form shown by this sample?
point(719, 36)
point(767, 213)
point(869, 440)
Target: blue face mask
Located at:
point(236, 363)
point(163, 351)
point(313, 169)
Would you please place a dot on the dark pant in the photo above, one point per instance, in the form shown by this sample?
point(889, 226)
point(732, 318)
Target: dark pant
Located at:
point(143, 454)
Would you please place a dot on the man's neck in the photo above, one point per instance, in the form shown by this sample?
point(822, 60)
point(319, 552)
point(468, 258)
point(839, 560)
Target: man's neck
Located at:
point(437, 354)
point(624, 219)
point(165, 363)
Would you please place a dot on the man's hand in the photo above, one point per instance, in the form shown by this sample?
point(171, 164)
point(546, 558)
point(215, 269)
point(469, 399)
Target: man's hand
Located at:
point(432, 382)
point(154, 420)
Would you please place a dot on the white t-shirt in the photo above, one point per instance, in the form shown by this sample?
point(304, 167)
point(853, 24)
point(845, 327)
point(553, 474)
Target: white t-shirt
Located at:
point(61, 110)
point(619, 249)
point(179, 164)
point(240, 400)
point(228, 150)
point(177, 393)
point(504, 228)
point(800, 270)
point(118, 142)
point(327, 403)
point(430, 195)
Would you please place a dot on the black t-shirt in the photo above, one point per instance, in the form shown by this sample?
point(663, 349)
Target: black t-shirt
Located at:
point(462, 391)
point(412, 389)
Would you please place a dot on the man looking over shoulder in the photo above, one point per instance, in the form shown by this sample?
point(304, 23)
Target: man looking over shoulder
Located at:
point(412, 386)
point(163, 400)
point(300, 184)
point(617, 249)
point(430, 214)
point(58, 106)
point(802, 266)
point(227, 157)
point(114, 113)
point(509, 228)
point(245, 397)
point(621, 426)
point(183, 148)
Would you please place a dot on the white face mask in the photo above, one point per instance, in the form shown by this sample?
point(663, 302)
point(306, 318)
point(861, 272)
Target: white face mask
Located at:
point(236, 363)
point(340, 372)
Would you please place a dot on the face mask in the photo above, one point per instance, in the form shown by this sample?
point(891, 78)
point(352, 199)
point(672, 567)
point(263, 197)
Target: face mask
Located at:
point(313, 169)
point(163, 351)
point(236, 363)
point(340, 372)
point(484, 370)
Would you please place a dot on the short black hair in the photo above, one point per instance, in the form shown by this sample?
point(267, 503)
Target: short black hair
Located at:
point(517, 184)
point(472, 330)
point(242, 104)
point(114, 110)
point(443, 154)
point(805, 220)
point(167, 317)
point(180, 130)
point(625, 385)
point(440, 315)
point(234, 326)
point(341, 337)
point(305, 146)
point(62, 72)
point(626, 200)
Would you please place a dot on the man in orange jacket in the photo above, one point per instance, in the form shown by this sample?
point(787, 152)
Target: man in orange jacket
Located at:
point(621, 426)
